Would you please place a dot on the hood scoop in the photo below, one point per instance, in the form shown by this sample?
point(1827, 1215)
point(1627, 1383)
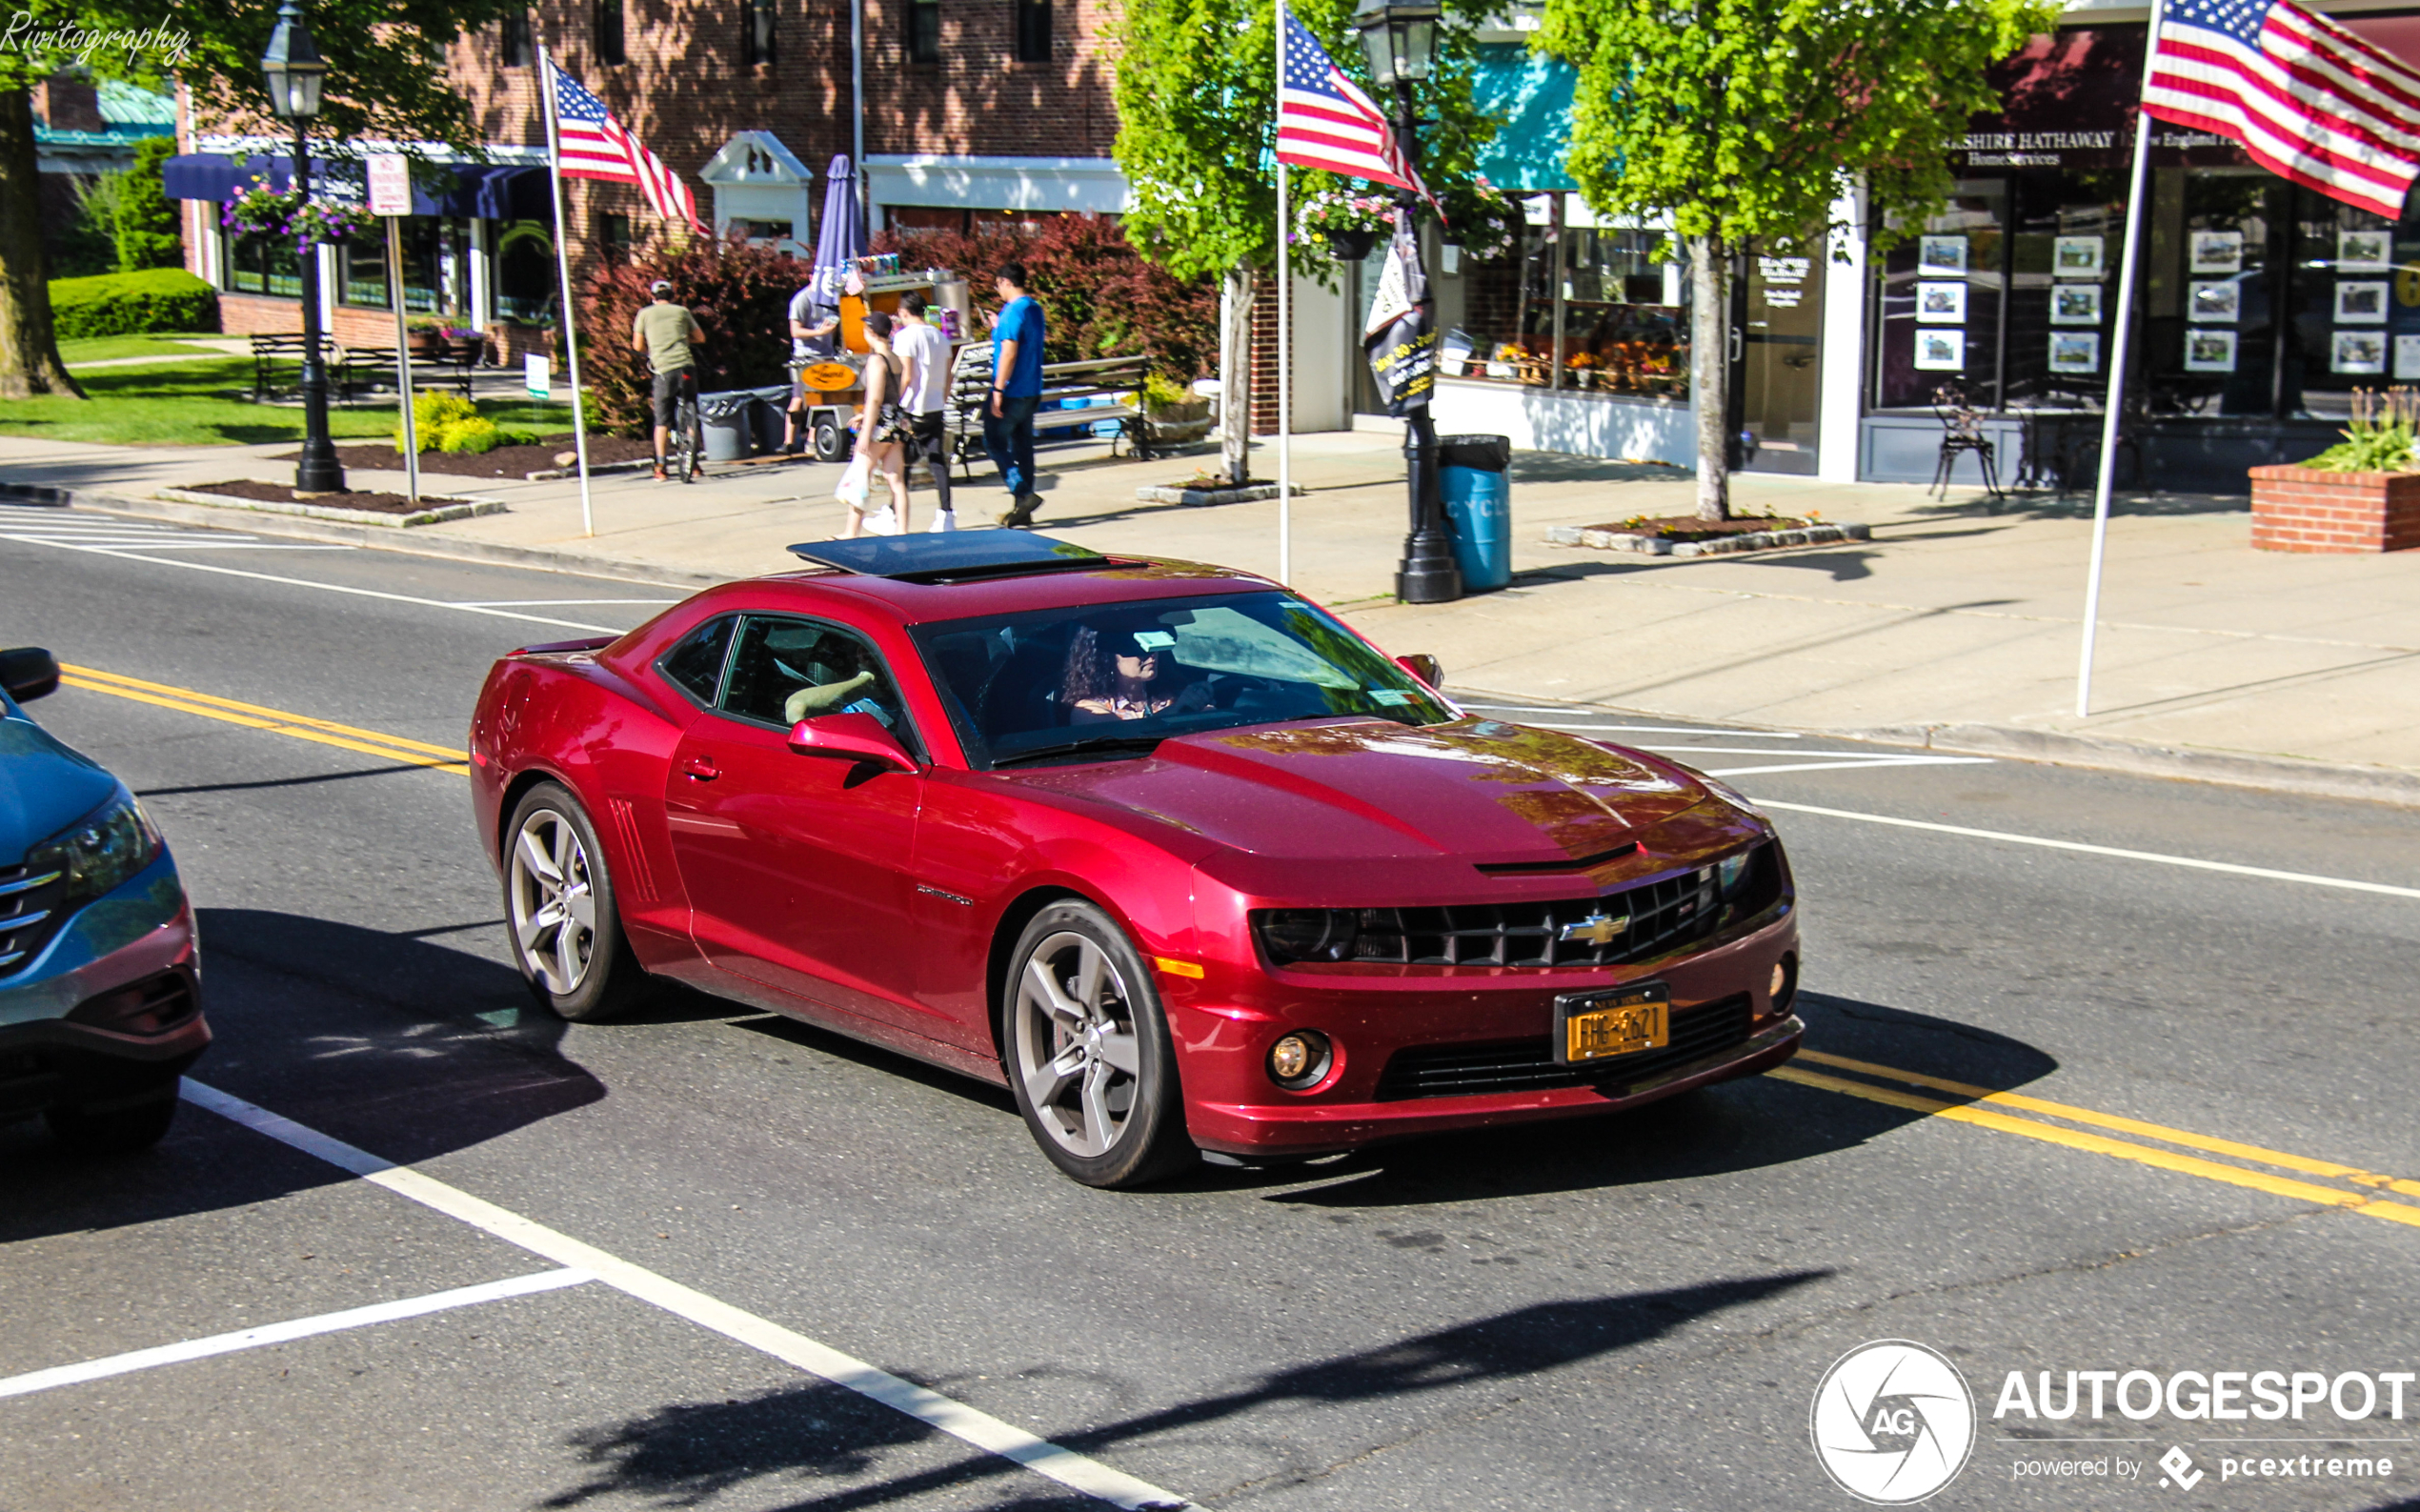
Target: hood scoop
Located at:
point(1561, 864)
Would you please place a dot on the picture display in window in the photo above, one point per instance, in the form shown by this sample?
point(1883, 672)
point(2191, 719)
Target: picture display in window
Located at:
point(922, 19)
point(756, 32)
point(611, 47)
point(1942, 285)
point(518, 49)
point(2343, 313)
point(2208, 339)
point(1033, 31)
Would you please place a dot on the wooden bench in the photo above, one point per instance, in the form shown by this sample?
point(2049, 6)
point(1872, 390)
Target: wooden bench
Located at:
point(268, 351)
point(1112, 377)
point(353, 370)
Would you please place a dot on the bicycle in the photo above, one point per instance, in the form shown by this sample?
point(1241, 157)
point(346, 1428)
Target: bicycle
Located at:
point(688, 439)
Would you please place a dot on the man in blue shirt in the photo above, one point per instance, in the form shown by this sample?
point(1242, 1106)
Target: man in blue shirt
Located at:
point(1017, 393)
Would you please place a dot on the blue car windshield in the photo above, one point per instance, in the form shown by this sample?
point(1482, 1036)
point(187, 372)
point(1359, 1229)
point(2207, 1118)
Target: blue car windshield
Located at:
point(1094, 681)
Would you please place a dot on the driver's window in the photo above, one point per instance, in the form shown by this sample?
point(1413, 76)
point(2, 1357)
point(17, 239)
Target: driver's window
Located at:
point(787, 670)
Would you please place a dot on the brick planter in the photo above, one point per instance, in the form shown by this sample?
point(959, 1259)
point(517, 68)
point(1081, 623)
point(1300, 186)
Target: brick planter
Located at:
point(2299, 509)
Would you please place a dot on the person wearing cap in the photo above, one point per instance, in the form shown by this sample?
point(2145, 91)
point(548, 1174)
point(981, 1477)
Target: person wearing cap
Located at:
point(667, 334)
point(813, 325)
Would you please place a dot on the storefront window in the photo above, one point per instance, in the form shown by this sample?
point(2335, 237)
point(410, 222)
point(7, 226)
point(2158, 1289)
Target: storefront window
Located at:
point(2356, 318)
point(2209, 338)
point(525, 271)
point(1622, 326)
point(1942, 290)
point(262, 265)
point(364, 265)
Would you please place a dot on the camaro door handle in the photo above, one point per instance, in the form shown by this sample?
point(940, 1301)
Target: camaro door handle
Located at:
point(701, 769)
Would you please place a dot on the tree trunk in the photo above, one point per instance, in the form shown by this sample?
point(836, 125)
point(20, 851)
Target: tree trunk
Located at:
point(1235, 378)
point(1710, 372)
point(28, 354)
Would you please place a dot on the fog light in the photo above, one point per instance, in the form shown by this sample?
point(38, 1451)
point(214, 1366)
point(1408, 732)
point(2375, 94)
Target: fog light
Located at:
point(1781, 979)
point(1298, 1059)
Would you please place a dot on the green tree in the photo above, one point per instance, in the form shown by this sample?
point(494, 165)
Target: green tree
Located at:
point(386, 81)
point(142, 222)
point(1197, 110)
point(1746, 121)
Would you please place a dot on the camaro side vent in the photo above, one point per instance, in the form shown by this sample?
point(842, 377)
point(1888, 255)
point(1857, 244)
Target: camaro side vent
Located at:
point(1528, 1065)
point(28, 914)
point(640, 876)
point(1635, 924)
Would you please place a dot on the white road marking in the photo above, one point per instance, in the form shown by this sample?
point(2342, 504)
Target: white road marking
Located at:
point(559, 603)
point(290, 1331)
point(953, 1418)
point(1866, 765)
point(36, 524)
point(2003, 836)
point(115, 549)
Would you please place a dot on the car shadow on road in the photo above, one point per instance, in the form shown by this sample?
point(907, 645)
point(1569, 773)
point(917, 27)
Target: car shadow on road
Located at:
point(686, 1454)
point(407, 1047)
point(1743, 1125)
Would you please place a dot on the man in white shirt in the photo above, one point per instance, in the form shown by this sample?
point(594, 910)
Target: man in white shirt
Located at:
point(811, 328)
point(924, 393)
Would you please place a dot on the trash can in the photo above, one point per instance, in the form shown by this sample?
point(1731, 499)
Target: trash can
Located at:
point(724, 417)
point(770, 414)
point(1474, 474)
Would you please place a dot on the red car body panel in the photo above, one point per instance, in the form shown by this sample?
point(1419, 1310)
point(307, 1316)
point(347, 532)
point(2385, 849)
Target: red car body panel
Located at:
point(881, 902)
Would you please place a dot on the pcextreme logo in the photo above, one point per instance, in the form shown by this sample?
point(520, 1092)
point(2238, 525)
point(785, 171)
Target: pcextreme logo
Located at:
point(1893, 1423)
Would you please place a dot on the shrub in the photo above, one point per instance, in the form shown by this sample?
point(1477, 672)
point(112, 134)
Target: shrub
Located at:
point(1099, 297)
point(473, 435)
point(430, 414)
point(144, 225)
point(127, 304)
point(740, 296)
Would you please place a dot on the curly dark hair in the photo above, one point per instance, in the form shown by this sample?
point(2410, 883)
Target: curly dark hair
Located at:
point(1092, 669)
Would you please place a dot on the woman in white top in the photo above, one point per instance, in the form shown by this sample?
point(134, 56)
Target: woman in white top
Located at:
point(882, 434)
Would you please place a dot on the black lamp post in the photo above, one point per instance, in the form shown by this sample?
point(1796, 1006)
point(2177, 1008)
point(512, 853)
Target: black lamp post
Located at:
point(1399, 37)
point(295, 72)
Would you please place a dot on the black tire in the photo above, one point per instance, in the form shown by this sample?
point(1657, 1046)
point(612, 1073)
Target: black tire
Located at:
point(1126, 1125)
point(831, 441)
point(584, 979)
point(114, 1128)
point(692, 441)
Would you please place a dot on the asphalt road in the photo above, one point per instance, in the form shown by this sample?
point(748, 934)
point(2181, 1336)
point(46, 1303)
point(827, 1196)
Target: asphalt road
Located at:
point(671, 1216)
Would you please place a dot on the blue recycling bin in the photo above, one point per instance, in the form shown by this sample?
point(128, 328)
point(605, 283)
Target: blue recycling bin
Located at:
point(1474, 474)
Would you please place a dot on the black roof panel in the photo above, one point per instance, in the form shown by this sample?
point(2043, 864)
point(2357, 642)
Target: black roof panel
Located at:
point(953, 556)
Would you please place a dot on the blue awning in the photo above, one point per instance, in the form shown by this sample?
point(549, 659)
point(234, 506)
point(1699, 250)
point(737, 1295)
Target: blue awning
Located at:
point(1530, 97)
point(494, 191)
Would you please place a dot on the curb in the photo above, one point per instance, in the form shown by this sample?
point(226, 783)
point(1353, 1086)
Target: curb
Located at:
point(2274, 774)
point(1725, 546)
point(378, 537)
point(1213, 496)
point(448, 509)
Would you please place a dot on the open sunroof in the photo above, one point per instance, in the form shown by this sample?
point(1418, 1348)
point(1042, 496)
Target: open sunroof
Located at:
point(955, 556)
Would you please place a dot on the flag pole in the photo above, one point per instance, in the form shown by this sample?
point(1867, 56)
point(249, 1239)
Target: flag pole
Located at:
point(1285, 391)
point(2113, 409)
point(564, 265)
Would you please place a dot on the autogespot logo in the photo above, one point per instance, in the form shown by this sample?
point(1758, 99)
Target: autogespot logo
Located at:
point(1894, 1421)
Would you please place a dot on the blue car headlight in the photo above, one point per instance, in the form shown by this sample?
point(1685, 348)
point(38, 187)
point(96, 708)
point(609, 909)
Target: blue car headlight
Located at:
point(98, 852)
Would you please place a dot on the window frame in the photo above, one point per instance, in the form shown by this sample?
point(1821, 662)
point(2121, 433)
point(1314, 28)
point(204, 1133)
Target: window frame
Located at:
point(516, 40)
point(1031, 30)
point(920, 31)
point(723, 672)
point(905, 731)
point(759, 33)
point(611, 29)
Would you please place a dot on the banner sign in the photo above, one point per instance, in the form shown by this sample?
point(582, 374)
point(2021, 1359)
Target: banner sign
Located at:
point(1400, 337)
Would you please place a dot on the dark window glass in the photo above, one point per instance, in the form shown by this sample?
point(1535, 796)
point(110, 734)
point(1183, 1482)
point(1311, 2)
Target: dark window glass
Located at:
point(263, 265)
point(518, 47)
point(612, 234)
point(1033, 31)
point(923, 31)
point(789, 670)
point(755, 31)
point(525, 271)
point(1941, 294)
point(610, 48)
point(695, 664)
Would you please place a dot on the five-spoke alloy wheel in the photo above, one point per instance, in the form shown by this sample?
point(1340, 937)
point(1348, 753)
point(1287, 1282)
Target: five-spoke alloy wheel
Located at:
point(559, 900)
point(1088, 1053)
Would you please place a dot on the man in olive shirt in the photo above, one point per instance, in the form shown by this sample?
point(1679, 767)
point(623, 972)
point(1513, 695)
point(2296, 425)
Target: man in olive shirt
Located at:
point(665, 332)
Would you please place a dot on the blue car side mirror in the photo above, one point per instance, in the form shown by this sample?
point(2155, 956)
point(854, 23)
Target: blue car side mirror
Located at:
point(29, 673)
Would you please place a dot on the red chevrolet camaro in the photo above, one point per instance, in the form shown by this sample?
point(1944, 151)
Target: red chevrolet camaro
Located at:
point(1185, 863)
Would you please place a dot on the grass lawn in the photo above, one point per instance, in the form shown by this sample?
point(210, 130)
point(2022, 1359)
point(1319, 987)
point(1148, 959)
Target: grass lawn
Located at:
point(101, 349)
point(198, 403)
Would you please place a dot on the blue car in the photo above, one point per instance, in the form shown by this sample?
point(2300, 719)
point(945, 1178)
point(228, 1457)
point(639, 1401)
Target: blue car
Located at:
point(100, 969)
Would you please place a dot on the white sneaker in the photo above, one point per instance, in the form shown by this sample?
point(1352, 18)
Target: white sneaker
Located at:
point(943, 521)
point(884, 521)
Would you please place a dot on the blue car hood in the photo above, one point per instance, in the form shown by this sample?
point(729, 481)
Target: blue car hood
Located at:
point(44, 787)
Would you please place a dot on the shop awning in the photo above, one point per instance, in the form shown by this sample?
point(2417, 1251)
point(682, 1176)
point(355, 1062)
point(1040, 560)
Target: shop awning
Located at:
point(1530, 97)
point(487, 190)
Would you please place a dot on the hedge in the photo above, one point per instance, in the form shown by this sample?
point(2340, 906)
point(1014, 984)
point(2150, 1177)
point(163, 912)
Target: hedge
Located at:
point(127, 304)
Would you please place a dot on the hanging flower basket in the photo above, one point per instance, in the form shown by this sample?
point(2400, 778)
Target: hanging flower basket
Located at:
point(1350, 246)
point(260, 211)
point(1351, 225)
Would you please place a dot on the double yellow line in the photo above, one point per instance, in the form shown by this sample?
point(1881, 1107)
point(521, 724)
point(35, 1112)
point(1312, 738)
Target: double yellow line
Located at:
point(2152, 1145)
point(394, 748)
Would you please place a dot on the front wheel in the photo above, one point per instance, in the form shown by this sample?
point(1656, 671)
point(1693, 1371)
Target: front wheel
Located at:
point(692, 442)
point(1089, 1056)
point(559, 900)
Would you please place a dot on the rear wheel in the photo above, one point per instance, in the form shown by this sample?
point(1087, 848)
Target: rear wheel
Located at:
point(559, 900)
point(1089, 1056)
point(831, 441)
point(114, 1128)
point(689, 441)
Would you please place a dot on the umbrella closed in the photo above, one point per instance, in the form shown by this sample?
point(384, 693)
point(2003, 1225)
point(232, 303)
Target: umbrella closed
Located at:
point(842, 238)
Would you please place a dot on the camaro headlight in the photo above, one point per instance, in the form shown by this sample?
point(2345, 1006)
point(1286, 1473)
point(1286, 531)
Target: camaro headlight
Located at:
point(99, 851)
point(1307, 933)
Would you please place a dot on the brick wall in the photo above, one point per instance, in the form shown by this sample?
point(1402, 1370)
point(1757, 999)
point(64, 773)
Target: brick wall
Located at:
point(1264, 358)
point(979, 99)
point(2296, 509)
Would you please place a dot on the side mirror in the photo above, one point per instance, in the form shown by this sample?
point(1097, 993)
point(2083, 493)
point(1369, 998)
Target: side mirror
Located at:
point(29, 671)
point(1423, 666)
point(851, 737)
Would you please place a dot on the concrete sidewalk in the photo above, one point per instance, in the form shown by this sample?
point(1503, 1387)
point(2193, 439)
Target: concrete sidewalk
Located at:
point(1957, 625)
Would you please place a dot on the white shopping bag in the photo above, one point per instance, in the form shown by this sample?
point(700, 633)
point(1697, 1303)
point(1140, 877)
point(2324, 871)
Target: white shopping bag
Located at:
point(854, 483)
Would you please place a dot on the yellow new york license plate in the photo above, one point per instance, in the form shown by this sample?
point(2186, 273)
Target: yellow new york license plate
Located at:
point(1597, 1026)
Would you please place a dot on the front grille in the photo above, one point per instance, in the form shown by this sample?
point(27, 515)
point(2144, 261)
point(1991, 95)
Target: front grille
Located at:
point(1656, 919)
point(1528, 1065)
point(30, 913)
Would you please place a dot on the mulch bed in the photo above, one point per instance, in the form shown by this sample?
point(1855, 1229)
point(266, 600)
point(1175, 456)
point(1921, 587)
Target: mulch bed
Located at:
point(281, 493)
point(505, 461)
point(1690, 527)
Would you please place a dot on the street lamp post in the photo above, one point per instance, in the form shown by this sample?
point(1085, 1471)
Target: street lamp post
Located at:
point(1399, 38)
point(295, 72)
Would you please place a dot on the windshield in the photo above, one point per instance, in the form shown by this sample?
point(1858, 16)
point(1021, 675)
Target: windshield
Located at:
point(1104, 680)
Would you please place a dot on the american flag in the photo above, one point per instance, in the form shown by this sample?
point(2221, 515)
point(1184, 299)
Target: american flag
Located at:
point(595, 146)
point(2308, 99)
point(1325, 121)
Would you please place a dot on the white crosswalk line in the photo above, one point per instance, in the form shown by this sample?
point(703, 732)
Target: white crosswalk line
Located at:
point(37, 525)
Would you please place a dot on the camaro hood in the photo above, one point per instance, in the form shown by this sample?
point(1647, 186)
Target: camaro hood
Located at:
point(44, 787)
point(1493, 792)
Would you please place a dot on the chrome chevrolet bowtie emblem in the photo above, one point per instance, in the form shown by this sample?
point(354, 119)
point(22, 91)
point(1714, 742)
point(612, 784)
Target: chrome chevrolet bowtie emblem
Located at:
point(1597, 929)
